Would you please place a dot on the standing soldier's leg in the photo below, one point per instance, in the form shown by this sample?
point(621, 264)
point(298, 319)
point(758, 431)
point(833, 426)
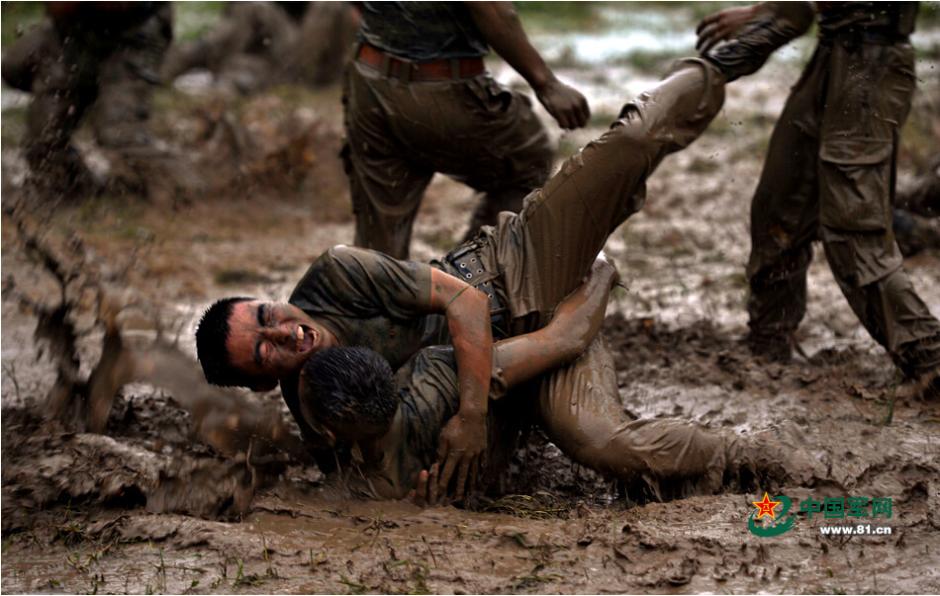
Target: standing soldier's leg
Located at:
point(22, 60)
point(64, 86)
point(868, 100)
point(246, 27)
point(785, 219)
point(386, 188)
point(327, 34)
point(129, 77)
point(127, 81)
point(473, 130)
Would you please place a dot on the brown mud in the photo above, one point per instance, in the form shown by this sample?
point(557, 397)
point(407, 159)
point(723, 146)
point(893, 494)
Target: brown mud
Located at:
point(174, 497)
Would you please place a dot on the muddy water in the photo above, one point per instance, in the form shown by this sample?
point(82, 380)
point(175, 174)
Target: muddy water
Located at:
point(84, 512)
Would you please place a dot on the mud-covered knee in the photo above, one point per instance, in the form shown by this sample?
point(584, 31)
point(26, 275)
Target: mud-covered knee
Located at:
point(629, 133)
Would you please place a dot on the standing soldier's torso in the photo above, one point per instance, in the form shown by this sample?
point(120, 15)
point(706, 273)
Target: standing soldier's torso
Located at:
point(421, 31)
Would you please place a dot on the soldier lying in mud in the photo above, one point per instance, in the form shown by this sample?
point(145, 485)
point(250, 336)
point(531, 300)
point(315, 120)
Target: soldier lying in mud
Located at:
point(350, 395)
point(508, 281)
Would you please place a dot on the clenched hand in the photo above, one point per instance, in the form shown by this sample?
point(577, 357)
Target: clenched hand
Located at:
point(722, 25)
point(565, 103)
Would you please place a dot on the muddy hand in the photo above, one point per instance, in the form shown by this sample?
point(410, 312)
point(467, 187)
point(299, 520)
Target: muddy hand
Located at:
point(426, 494)
point(722, 25)
point(565, 103)
point(461, 447)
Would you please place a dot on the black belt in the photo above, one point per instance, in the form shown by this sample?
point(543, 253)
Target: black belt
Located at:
point(468, 265)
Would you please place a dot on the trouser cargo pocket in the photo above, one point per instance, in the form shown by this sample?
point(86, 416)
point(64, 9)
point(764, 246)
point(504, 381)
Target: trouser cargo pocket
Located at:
point(855, 179)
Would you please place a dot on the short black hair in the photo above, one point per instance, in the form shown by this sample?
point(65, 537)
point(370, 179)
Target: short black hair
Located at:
point(211, 336)
point(350, 388)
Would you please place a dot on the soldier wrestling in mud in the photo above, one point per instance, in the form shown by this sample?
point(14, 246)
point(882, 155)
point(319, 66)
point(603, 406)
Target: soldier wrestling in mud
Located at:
point(508, 281)
point(351, 396)
point(830, 173)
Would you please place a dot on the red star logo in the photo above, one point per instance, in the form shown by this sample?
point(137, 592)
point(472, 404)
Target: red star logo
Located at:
point(766, 507)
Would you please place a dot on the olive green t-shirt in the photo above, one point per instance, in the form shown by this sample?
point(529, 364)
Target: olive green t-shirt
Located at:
point(427, 388)
point(365, 298)
point(368, 299)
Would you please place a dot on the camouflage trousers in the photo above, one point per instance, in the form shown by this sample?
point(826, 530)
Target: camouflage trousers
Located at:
point(830, 175)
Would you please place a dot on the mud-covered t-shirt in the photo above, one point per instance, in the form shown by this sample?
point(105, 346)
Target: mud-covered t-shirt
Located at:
point(369, 299)
point(427, 388)
point(429, 397)
point(421, 31)
point(366, 298)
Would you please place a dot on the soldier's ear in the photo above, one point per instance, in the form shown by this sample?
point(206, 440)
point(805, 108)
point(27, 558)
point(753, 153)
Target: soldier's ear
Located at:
point(263, 384)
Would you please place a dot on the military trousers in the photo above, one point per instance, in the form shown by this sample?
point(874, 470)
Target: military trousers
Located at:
point(399, 134)
point(545, 252)
point(830, 175)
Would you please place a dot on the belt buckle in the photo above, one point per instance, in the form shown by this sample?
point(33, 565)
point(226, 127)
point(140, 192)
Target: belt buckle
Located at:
point(470, 265)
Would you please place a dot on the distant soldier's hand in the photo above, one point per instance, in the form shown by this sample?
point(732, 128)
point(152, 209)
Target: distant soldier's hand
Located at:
point(462, 443)
point(565, 103)
point(722, 25)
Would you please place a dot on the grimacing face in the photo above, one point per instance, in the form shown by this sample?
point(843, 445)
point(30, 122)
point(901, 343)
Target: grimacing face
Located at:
point(271, 340)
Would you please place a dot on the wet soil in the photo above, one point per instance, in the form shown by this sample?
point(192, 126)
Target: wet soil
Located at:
point(154, 504)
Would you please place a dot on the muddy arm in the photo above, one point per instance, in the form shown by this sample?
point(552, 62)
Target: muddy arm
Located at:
point(499, 23)
point(576, 323)
point(755, 32)
point(468, 319)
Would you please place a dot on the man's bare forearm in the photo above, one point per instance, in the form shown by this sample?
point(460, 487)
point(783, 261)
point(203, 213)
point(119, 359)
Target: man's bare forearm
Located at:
point(500, 25)
point(468, 320)
point(463, 438)
point(576, 323)
point(469, 325)
point(753, 34)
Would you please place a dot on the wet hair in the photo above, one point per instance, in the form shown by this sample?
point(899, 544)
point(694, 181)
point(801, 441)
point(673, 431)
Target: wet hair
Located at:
point(350, 390)
point(211, 337)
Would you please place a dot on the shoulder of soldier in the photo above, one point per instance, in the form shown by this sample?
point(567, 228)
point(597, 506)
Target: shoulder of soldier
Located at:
point(327, 262)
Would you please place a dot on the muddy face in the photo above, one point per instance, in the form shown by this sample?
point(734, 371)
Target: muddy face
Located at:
point(269, 340)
